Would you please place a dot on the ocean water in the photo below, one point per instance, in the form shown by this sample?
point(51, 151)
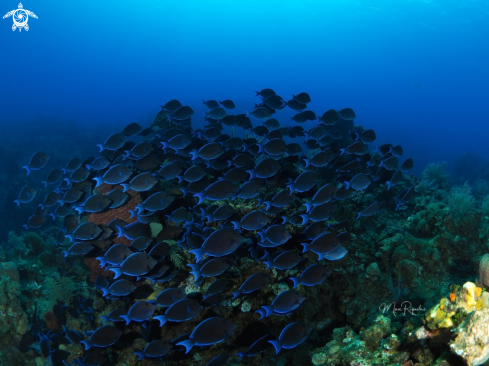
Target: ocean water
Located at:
point(415, 71)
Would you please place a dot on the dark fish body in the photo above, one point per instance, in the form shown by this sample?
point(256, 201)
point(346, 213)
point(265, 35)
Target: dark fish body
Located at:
point(86, 231)
point(295, 105)
point(118, 198)
point(358, 182)
point(265, 93)
point(224, 212)
point(194, 173)
point(182, 113)
point(370, 210)
point(294, 149)
point(218, 360)
point(115, 175)
point(95, 203)
point(38, 161)
point(292, 335)
point(253, 283)
point(141, 243)
point(180, 311)
point(216, 287)
point(71, 195)
point(170, 170)
point(216, 113)
point(390, 163)
point(261, 113)
point(242, 160)
point(330, 117)
point(265, 169)
point(155, 349)
point(51, 199)
point(395, 179)
point(367, 136)
point(304, 182)
point(284, 303)
point(136, 264)
point(285, 260)
point(72, 165)
point(114, 142)
point(156, 202)
point(257, 347)
point(347, 114)
point(276, 234)
point(139, 312)
point(407, 165)
point(228, 104)
point(104, 336)
point(212, 268)
point(209, 332)
point(142, 182)
point(53, 177)
point(302, 98)
point(80, 248)
point(119, 288)
point(177, 142)
point(274, 147)
point(131, 129)
point(134, 230)
point(26, 195)
point(299, 117)
point(319, 212)
point(219, 190)
point(323, 195)
point(208, 152)
point(275, 102)
point(169, 296)
point(312, 275)
point(139, 151)
point(254, 220)
point(99, 163)
point(179, 215)
point(220, 243)
point(211, 104)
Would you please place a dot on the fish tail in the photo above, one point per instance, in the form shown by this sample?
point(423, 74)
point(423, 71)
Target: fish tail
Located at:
point(117, 271)
point(199, 253)
point(308, 205)
point(296, 280)
point(184, 190)
point(268, 310)
point(126, 186)
point(291, 186)
point(87, 344)
point(237, 225)
point(126, 318)
point(161, 318)
point(140, 354)
point(102, 147)
point(45, 183)
point(71, 237)
point(285, 219)
point(389, 184)
point(121, 231)
point(359, 215)
point(262, 313)
point(133, 212)
point(201, 196)
point(17, 202)
point(348, 185)
point(305, 218)
point(242, 354)
point(66, 253)
point(252, 173)
point(306, 247)
point(268, 204)
point(308, 162)
point(268, 264)
point(106, 291)
point(99, 180)
point(195, 154)
point(277, 345)
point(188, 344)
point(102, 260)
point(236, 294)
point(26, 167)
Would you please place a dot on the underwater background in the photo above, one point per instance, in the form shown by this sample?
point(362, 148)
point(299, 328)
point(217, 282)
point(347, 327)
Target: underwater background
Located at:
point(415, 72)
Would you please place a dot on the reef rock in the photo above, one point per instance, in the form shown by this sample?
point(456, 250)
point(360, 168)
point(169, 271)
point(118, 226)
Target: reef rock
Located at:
point(472, 342)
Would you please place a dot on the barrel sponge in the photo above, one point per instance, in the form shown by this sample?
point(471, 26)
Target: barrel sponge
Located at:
point(484, 271)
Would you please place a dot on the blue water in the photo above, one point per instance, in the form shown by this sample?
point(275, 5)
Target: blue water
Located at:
point(415, 71)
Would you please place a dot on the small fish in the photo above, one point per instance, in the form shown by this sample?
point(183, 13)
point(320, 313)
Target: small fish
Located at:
point(304, 182)
point(209, 332)
point(292, 335)
point(220, 243)
point(407, 164)
point(169, 296)
point(104, 336)
point(38, 161)
point(284, 260)
point(180, 311)
point(53, 177)
point(395, 179)
point(118, 198)
point(155, 349)
point(26, 195)
point(142, 182)
point(136, 264)
point(265, 93)
point(156, 202)
point(302, 98)
point(139, 312)
point(171, 105)
point(131, 129)
point(390, 163)
point(295, 105)
point(182, 113)
point(358, 182)
point(257, 347)
point(330, 117)
point(119, 288)
point(284, 303)
point(254, 220)
point(80, 248)
point(276, 234)
point(253, 283)
point(86, 231)
point(117, 174)
point(261, 113)
point(116, 255)
point(211, 268)
point(211, 104)
point(228, 104)
point(347, 114)
point(113, 142)
point(265, 169)
point(218, 190)
point(312, 275)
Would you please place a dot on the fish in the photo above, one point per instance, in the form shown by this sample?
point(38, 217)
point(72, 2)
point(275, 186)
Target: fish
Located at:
point(228, 104)
point(367, 136)
point(252, 283)
point(285, 303)
point(347, 114)
point(178, 142)
point(139, 151)
point(38, 161)
point(390, 163)
point(119, 288)
point(116, 255)
point(117, 174)
point(179, 215)
point(295, 105)
point(86, 231)
point(209, 151)
point(358, 182)
point(134, 230)
point(395, 179)
point(257, 347)
point(224, 212)
point(156, 202)
point(136, 264)
point(283, 260)
point(211, 104)
point(265, 169)
point(113, 142)
point(140, 311)
point(155, 349)
point(217, 113)
point(407, 165)
point(193, 174)
point(370, 210)
point(274, 147)
point(95, 203)
point(216, 287)
point(141, 243)
point(220, 243)
point(80, 248)
point(218, 190)
point(312, 276)
point(26, 195)
point(265, 93)
point(260, 113)
point(142, 182)
point(171, 105)
point(275, 102)
point(219, 360)
point(169, 296)
point(53, 177)
point(302, 98)
point(117, 197)
point(104, 336)
point(182, 113)
point(291, 336)
point(211, 268)
point(404, 197)
point(254, 220)
point(131, 129)
point(209, 332)
point(330, 117)
point(276, 234)
point(180, 311)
